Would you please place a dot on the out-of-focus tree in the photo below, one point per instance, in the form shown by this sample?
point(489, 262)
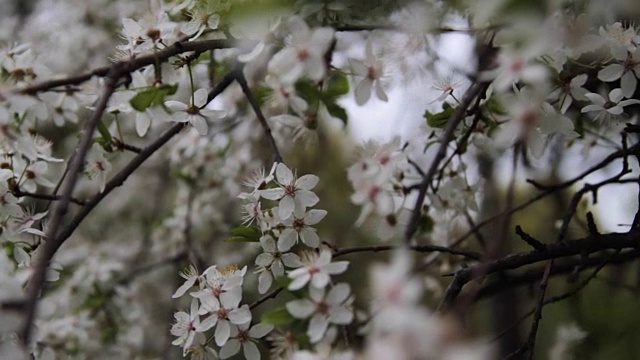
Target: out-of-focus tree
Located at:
point(184, 178)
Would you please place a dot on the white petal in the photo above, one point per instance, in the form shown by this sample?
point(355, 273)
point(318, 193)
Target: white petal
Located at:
point(307, 182)
point(268, 244)
point(363, 91)
point(309, 237)
point(300, 309)
point(287, 239)
point(286, 207)
point(272, 194)
point(200, 98)
point(591, 108)
point(260, 330)
point(628, 84)
point(223, 330)
point(208, 323)
point(240, 315)
point(251, 351)
point(314, 216)
point(291, 260)
point(200, 124)
point(143, 121)
point(299, 281)
point(338, 294)
point(264, 282)
point(264, 259)
point(277, 269)
point(320, 280)
point(176, 105)
point(616, 95)
point(340, 315)
point(230, 348)
point(595, 98)
point(611, 73)
point(283, 174)
point(306, 198)
point(317, 327)
point(337, 267)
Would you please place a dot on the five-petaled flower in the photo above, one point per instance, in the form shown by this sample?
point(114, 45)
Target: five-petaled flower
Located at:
point(194, 113)
point(294, 194)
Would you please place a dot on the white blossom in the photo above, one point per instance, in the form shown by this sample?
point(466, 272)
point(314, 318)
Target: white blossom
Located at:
point(317, 270)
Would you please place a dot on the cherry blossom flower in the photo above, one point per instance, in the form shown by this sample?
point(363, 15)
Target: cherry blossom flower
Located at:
point(190, 275)
point(449, 85)
point(516, 66)
point(316, 270)
point(618, 37)
point(143, 118)
point(225, 284)
point(224, 313)
point(294, 193)
point(242, 336)
point(96, 165)
point(185, 327)
point(569, 91)
point(194, 113)
point(608, 109)
point(626, 69)
point(329, 309)
point(201, 20)
point(372, 72)
point(64, 106)
point(153, 28)
point(260, 179)
point(304, 56)
point(531, 122)
point(299, 227)
point(272, 262)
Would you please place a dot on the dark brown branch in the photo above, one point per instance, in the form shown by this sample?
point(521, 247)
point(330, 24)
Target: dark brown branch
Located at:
point(583, 247)
point(124, 146)
point(51, 246)
point(547, 190)
point(271, 295)
point(418, 248)
point(475, 91)
point(19, 193)
point(128, 66)
point(239, 75)
point(507, 282)
point(529, 239)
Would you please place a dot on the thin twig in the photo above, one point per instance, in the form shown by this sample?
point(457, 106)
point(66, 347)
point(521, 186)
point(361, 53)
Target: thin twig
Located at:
point(239, 75)
point(19, 193)
point(418, 248)
point(268, 296)
point(474, 91)
point(583, 247)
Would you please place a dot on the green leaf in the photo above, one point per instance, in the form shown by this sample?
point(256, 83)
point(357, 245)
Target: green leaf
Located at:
point(337, 111)
point(244, 234)
point(106, 140)
point(336, 86)
point(494, 106)
point(308, 91)
point(277, 316)
point(152, 96)
point(439, 120)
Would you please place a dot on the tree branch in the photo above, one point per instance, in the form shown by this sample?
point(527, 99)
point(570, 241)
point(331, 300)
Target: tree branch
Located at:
point(239, 76)
point(583, 247)
point(474, 91)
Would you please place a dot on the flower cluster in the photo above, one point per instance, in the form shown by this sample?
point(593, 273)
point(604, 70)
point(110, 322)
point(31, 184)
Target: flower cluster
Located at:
point(217, 300)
